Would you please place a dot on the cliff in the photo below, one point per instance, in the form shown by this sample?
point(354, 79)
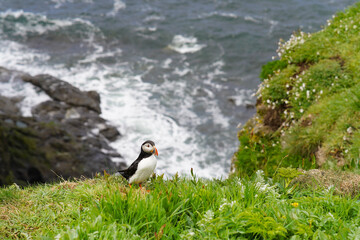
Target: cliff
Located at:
point(308, 104)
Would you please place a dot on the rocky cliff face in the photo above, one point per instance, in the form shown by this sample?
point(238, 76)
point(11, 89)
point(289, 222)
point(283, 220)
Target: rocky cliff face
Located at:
point(65, 136)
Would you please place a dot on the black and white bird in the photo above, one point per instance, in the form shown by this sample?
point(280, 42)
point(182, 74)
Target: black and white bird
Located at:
point(142, 168)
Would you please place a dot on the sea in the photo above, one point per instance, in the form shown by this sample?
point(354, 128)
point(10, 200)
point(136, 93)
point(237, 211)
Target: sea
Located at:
point(182, 73)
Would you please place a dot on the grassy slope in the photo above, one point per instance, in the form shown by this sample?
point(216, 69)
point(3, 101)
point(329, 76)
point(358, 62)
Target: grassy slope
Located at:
point(308, 103)
point(105, 208)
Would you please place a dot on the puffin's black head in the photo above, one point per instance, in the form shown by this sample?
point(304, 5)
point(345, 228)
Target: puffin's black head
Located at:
point(149, 147)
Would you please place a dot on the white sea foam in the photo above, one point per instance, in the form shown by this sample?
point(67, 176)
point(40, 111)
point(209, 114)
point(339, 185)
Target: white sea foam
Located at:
point(166, 63)
point(118, 5)
point(39, 24)
point(59, 3)
point(262, 20)
point(182, 44)
point(244, 97)
point(153, 18)
point(220, 14)
point(252, 19)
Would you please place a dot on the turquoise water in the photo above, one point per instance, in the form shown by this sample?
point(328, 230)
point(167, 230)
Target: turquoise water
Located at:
point(182, 73)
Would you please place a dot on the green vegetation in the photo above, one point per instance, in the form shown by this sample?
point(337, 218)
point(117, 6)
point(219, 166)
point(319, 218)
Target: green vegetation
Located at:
point(308, 103)
point(106, 208)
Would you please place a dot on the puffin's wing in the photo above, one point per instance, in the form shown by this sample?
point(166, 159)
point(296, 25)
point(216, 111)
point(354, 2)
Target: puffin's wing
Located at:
point(127, 173)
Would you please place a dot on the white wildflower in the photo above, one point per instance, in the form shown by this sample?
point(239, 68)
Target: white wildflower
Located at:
point(187, 234)
point(226, 203)
point(208, 216)
point(264, 187)
point(301, 110)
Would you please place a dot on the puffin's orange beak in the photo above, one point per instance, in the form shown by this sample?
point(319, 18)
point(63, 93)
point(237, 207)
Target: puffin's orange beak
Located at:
point(156, 151)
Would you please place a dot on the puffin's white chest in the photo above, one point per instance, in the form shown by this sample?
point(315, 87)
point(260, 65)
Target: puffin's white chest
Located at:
point(144, 170)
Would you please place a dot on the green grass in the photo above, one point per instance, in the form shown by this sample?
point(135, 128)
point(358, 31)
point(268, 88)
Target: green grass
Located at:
point(308, 103)
point(178, 208)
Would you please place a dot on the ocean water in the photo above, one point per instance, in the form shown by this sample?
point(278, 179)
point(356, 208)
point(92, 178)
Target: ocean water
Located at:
point(179, 72)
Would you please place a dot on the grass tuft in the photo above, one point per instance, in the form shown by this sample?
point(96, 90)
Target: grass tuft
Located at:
point(178, 208)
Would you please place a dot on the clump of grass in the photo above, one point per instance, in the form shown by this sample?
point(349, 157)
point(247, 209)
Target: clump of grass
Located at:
point(272, 67)
point(178, 208)
point(308, 103)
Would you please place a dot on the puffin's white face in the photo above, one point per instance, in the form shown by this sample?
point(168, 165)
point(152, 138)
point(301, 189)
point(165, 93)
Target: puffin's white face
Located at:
point(149, 148)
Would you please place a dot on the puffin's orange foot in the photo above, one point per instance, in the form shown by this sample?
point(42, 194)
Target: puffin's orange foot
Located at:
point(129, 185)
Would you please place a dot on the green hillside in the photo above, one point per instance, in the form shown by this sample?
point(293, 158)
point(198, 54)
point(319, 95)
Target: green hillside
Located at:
point(308, 106)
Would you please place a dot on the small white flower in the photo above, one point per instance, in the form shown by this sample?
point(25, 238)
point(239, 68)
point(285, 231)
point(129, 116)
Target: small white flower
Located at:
point(301, 110)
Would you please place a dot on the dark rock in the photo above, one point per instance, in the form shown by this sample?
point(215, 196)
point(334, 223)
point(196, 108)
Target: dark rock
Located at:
point(65, 137)
point(249, 106)
point(77, 119)
point(110, 132)
point(9, 106)
point(42, 152)
point(62, 91)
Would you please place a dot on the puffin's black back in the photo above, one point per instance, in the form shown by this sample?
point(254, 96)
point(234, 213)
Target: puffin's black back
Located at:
point(127, 173)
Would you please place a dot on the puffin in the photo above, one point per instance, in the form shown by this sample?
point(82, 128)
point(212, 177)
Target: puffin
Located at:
point(142, 168)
